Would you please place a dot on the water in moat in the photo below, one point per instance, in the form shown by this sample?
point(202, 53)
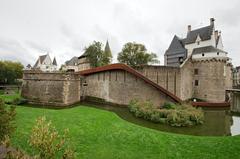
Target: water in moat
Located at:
point(218, 122)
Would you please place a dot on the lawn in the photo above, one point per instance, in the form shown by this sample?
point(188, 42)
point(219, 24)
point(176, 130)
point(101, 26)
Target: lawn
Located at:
point(102, 134)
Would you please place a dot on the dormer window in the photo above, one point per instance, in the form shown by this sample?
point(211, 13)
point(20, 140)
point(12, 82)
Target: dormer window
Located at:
point(180, 60)
point(198, 43)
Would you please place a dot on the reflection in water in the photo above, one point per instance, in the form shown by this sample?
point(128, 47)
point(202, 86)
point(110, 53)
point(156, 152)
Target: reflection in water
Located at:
point(236, 126)
point(217, 122)
point(235, 106)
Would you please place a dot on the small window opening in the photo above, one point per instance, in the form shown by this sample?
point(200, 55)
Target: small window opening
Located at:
point(196, 83)
point(196, 71)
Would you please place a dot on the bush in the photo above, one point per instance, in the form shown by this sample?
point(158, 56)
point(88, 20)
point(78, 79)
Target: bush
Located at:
point(19, 101)
point(171, 114)
point(16, 101)
point(8, 152)
point(169, 105)
point(7, 125)
point(48, 143)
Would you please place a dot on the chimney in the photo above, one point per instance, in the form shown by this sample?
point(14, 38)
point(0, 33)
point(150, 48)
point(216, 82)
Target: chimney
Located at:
point(189, 28)
point(216, 34)
point(212, 21)
point(220, 33)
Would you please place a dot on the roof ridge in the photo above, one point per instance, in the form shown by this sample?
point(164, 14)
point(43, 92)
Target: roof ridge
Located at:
point(201, 28)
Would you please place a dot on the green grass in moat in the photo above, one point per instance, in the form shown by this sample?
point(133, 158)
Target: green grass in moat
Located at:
point(102, 134)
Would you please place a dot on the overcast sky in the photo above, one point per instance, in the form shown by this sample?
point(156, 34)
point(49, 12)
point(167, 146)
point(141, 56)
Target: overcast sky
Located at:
point(29, 28)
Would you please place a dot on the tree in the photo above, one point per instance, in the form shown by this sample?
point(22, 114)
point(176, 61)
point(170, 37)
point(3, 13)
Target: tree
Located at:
point(134, 54)
point(96, 56)
point(10, 71)
point(7, 125)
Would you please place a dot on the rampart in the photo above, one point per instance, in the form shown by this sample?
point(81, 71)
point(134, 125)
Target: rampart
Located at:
point(57, 89)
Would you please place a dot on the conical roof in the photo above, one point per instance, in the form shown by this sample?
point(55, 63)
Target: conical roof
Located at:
point(107, 50)
point(54, 61)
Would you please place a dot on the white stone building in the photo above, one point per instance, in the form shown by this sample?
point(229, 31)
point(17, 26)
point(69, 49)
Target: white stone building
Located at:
point(45, 64)
point(202, 43)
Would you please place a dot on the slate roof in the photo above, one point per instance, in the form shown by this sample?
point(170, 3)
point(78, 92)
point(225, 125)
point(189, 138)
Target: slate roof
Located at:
point(40, 59)
point(72, 61)
point(204, 33)
point(107, 49)
point(176, 46)
point(54, 61)
point(206, 49)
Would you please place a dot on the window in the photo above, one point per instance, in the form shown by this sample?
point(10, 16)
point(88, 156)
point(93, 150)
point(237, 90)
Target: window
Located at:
point(196, 71)
point(180, 60)
point(196, 83)
point(198, 43)
point(218, 53)
point(203, 54)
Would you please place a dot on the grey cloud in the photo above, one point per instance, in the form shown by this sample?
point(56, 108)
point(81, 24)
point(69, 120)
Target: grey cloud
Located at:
point(13, 50)
point(38, 47)
point(76, 41)
point(229, 16)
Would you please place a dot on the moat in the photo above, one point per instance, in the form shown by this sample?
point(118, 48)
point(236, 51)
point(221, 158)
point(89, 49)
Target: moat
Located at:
point(218, 122)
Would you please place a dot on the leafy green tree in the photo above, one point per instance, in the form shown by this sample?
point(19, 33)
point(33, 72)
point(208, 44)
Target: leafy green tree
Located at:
point(96, 56)
point(7, 125)
point(134, 54)
point(10, 71)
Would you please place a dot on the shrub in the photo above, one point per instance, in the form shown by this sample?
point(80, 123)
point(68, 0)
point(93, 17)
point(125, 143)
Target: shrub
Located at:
point(171, 114)
point(7, 115)
point(9, 152)
point(169, 105)
point(48, 143)
point(19, 101)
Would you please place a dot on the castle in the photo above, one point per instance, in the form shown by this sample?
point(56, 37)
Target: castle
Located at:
point(195, 67)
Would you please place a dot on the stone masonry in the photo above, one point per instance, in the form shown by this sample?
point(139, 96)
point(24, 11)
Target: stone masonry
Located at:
point(57, 89)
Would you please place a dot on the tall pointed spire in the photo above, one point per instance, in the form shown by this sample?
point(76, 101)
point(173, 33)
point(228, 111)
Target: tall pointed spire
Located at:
point(54, 61)
point(107, 50)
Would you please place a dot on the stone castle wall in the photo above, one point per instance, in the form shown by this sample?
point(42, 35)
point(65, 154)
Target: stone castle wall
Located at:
point(166, 77)
point(120, 87)
point(51, 88)
point(174, 79)
point(214, 78)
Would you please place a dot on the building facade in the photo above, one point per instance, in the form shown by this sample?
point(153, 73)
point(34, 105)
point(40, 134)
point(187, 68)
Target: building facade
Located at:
point(236, 77)
point(201, 58)
point(45, 64)
point(201, 43)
